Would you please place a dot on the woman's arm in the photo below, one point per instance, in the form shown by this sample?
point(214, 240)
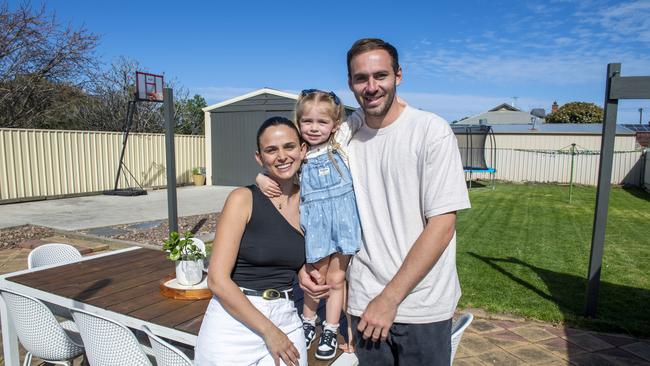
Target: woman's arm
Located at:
point(234, 217)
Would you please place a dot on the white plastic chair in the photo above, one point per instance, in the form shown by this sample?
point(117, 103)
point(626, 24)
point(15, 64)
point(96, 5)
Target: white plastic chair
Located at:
point(457, 330)
point(201, 245)
point(108, 342)
point(54, 253)
point(39, 331)
point(165, 353)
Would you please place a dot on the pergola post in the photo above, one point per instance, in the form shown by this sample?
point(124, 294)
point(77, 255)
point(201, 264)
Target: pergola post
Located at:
point(616, 87)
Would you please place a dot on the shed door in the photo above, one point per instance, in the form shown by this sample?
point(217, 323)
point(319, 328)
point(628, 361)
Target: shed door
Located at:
point(234, 145)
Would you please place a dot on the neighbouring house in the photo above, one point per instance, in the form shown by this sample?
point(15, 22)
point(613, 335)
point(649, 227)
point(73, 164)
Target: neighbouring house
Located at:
point(230, 131)
point(505, 114)
point(642, 132)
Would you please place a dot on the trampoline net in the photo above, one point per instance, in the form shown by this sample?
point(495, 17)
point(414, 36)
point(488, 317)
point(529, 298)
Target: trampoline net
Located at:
point(471, 143)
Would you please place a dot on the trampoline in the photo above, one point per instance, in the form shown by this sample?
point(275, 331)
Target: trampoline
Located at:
point(471, 143)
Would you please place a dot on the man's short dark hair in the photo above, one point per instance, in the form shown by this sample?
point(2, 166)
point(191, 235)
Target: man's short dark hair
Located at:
point(370, 44)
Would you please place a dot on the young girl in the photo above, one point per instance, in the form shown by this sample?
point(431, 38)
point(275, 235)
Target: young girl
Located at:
point(328, 211)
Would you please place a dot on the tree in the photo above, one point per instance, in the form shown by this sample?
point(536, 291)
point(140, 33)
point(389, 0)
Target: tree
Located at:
point(40, 62)
point(190, 117)
point(50, 78)
point(577, 112)
point(111, 90)
point(114, 88)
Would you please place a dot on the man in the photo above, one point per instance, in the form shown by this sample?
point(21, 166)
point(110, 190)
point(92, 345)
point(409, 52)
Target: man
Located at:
point(409, 183)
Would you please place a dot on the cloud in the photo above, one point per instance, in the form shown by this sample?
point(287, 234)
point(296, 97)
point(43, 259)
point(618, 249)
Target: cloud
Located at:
point(543, 47)
point(630, 20)
point(507, 69)
point(456, 106)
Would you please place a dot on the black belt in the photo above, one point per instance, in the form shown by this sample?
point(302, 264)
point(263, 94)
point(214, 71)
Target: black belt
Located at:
point(270, 294)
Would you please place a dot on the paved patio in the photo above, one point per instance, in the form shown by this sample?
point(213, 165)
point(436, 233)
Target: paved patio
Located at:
point(508, 342)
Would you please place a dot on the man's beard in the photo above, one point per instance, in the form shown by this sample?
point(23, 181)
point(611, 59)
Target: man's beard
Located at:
point(382, 109)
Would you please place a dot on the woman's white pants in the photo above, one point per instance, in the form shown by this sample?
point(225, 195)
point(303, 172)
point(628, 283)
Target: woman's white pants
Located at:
point(224, 340)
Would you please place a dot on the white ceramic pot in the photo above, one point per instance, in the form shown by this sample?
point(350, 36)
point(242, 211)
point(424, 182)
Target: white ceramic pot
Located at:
point(189, 273)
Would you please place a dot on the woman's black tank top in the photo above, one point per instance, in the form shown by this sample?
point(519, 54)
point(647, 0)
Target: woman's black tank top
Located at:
point(271, 251)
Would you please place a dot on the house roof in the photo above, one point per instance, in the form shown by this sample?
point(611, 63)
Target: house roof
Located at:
point(502, 114)
point(255, 93)
point(637, 127)
point(500, 118)
point(505, 106)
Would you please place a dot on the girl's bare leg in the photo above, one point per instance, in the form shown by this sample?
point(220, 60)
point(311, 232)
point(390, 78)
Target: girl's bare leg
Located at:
point(347, 347)
point(311, 304)
point(336, 280)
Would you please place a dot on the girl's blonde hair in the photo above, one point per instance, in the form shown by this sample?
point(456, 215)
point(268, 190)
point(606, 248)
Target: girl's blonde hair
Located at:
point(334, 108)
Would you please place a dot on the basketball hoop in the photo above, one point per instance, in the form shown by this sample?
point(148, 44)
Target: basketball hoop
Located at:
point(149, 87)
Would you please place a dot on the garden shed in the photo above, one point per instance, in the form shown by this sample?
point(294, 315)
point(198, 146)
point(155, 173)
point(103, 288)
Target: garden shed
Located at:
point(230, 131)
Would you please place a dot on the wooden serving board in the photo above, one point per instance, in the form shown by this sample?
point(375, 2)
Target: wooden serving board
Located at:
point(170, 288)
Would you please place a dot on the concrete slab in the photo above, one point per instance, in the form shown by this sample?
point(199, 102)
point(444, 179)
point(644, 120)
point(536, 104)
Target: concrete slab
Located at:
point(107, 231)
point(98, 211)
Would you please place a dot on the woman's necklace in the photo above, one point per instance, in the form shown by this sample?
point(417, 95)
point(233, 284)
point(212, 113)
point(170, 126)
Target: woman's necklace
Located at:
point(279, 204)
point(282, 203)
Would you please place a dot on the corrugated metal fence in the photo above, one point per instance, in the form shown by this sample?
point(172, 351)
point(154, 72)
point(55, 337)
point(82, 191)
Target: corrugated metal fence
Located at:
point(553, 166)
point(35, 163)
point(46, 163)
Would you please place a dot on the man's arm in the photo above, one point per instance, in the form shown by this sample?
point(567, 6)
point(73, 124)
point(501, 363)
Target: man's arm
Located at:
point(380, 313)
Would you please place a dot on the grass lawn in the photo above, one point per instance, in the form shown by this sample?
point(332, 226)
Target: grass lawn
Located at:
point(524, 250)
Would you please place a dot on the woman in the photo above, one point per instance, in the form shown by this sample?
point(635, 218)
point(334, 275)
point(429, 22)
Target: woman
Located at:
point(258, 248)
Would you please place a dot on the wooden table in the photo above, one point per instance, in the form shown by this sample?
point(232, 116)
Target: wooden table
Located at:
point(121, 285)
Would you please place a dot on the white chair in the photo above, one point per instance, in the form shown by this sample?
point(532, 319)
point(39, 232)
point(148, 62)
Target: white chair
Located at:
point(165, 353)
point(54, 253)
point(108, 342)
point(39, 331)
point(201, 245)
point(457, 330)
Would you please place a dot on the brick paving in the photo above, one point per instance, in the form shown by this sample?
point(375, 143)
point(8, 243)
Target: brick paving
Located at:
point(490, 339)
point(520, 342)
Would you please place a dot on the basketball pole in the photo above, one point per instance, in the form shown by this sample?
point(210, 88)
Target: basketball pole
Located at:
point(168, 106)
point(127, 128)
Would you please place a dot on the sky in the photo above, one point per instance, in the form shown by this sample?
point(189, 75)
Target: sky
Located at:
point(459, 58)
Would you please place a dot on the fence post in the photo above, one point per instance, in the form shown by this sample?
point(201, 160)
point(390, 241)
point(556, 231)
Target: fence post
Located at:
point(573, 156)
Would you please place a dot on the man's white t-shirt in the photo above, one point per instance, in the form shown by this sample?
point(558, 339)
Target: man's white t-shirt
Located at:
point(403, 174)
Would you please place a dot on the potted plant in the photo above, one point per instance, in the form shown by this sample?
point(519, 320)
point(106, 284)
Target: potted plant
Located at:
point(198, 176)
point(188, 257)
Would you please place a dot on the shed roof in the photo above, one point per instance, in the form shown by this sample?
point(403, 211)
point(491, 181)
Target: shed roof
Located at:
point(255, 93)
point(558, 128)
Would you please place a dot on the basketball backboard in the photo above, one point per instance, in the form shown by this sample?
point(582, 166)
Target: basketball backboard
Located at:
point(149, 87)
